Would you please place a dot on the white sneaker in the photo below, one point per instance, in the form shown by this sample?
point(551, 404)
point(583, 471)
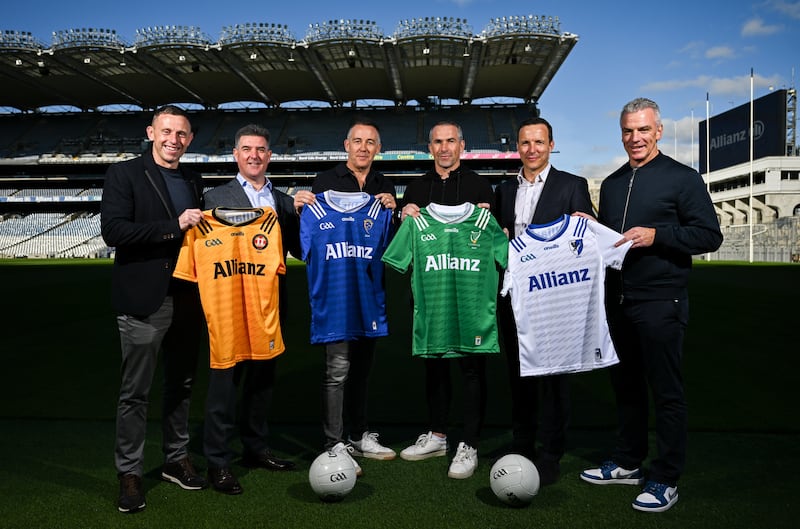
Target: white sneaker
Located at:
point(464, 462)
point(656, 497)
point(610, 473)
point(427, 445)
point(369, 447)
point(343, 449)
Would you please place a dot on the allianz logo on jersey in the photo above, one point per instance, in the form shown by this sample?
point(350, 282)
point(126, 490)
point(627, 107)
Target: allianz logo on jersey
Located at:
point(344, 250)
point(553, 279)
point(234, 267)
point(445, 261)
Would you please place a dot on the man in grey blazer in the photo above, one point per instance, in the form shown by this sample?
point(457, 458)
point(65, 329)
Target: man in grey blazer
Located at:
point(540, 193)
point(250, 188)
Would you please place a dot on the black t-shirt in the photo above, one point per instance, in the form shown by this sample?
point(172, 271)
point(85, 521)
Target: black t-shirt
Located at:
point(180, 190)
point(462, 185)
point(341, 179)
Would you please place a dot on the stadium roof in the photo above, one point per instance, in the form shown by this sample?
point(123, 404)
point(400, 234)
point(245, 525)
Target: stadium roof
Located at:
point(337, 61)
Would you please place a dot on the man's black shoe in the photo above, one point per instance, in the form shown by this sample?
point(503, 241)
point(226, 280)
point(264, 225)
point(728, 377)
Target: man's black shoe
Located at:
point(131, 494)
point(183, 474)
point(223, 481)
point(267, 459)
point(549, 470)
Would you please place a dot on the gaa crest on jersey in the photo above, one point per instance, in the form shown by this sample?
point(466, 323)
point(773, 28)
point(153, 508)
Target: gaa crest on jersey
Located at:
point(368, 224)
point(260, 241)
point(576, 245)
point(473, 238)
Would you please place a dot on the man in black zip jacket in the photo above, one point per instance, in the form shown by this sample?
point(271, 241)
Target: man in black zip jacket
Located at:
point(662, 206)
point(450, 184)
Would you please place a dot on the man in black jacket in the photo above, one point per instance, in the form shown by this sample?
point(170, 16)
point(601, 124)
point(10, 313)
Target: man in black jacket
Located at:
point(663, 207)
point(539, 194)
point(250, 188)
point(450, 184)
point(148, 203)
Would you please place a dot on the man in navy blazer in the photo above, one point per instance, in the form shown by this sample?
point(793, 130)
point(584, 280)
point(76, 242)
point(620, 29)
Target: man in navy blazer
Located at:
point(250, 188)
point(148, 203)
point(540, 193)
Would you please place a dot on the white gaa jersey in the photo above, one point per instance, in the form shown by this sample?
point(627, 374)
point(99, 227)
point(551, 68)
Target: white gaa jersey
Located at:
point(556, 275)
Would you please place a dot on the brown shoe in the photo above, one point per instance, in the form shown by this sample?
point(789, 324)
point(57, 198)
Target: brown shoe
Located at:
point(131, 494)
point(222, 480)
point(183, 474)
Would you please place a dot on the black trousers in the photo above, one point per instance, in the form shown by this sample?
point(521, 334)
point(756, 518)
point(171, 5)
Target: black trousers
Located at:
point(256, 379)
point(439, 392)
point(539, 405)
point(648, 336)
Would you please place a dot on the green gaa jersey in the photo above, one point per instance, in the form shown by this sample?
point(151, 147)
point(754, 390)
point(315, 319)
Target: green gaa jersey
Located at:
point(453, 252)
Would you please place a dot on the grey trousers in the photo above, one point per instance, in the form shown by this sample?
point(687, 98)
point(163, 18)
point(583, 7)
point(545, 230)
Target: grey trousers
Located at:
point(174, 330)
point(344, 389)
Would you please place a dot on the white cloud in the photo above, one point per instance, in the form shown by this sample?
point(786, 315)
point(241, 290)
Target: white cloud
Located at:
point(602, 170)
point(790, 9)
point(693, 49)
point(755, 27)
point(719, 52)
point(720, 86)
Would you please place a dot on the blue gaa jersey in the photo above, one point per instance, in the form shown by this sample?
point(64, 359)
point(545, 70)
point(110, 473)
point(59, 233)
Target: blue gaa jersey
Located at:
point(556, 274)
point(343, 237)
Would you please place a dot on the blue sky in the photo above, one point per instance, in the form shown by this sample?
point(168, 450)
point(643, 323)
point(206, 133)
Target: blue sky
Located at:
point(673, 52)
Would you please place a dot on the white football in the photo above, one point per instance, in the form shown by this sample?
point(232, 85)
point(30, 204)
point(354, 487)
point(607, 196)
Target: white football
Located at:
point(332, 476)
point(514, 480)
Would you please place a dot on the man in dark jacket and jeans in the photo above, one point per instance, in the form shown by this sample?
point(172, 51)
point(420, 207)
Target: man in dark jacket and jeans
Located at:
point(450, 184)
point(662, 206)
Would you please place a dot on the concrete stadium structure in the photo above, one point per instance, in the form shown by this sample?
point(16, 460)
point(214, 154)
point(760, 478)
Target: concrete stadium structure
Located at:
point(103, 88)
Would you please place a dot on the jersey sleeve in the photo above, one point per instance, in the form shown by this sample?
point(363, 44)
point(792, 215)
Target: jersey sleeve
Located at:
point(606, 239)
point(500, 242)
point(308, 217)
point(399, 253)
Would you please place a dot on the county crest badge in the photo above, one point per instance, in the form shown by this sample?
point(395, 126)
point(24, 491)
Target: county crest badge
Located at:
point(576, 245)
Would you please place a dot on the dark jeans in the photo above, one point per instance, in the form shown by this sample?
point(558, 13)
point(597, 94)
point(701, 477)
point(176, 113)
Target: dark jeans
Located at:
point(439, 392)
point(648, 336)
point(539, 405)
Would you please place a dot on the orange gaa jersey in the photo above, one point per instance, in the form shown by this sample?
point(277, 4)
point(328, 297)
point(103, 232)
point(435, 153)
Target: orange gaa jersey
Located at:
point(235, 256)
